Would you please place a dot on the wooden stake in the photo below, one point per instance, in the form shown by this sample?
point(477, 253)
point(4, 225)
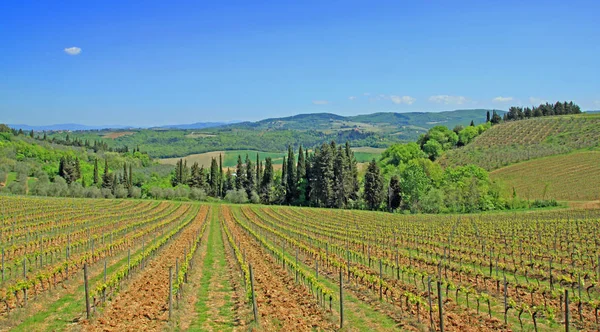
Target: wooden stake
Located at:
point(254, 306)
point(87, 294)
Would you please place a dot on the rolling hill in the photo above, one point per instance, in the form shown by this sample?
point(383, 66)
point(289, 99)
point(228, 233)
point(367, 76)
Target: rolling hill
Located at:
point(378, 130)
point(572, 177)
point(516, 141)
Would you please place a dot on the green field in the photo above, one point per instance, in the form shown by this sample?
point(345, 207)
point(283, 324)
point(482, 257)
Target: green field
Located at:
point(362, 154)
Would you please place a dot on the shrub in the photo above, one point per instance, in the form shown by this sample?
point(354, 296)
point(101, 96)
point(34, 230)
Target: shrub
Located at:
point(236, 196)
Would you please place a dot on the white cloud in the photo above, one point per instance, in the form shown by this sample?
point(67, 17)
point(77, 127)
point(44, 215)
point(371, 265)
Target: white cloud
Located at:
point(447, 100)
point(352, 97)
point(73, 50)
point(502, 99)
point(402, 99)
point(597, 102)
point(320, 102)
point(537, 101)
point(366, 94)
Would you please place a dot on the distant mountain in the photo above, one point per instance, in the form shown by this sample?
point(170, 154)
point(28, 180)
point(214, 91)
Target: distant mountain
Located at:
point(197, 125)
point(387, 122)
point(594, 112)
point(75, 127)
point(66, 126)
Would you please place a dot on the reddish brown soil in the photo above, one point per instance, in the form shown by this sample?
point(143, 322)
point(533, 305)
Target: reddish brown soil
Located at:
point(143, 306)
point(283, 304)
point(118, 134)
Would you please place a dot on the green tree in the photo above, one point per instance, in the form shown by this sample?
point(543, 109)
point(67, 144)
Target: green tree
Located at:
point(106, 177)
point(214, 178)
point(394, 193)
point(267, 182)
point(96, 177)
point(239, 174)
point(291, 184)
point(250, 185)
point(373, 193)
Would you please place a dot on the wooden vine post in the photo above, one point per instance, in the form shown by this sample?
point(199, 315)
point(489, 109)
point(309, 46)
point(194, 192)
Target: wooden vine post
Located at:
point(380, 280)
point(170, 292)
point(566, 310)
point(254, 306)
point(341, 299)
point(87, 292)
point(440, 305)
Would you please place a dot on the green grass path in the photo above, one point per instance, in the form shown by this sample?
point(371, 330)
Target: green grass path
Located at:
point(215, 307)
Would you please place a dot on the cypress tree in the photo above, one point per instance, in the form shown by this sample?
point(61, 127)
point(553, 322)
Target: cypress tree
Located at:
point(373, 186)
point(228, 184)
point(394, 193)
point(130, 177)
point(221, 176)
point(239, 174)
point(339, 179)
point(83, 184)
point(267, 182)
point(106, 178)
point(284, 174)
point(125, 176)
point(353, 186)
point(301, 168)
point(258, 170)
point(291, 183)
point(214, 181)
point(250, 177)
point(488, 117)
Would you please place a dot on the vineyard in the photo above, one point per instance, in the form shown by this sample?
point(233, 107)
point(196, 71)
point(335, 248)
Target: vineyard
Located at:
point(517, 141)
point(570, 177)
point(110, 265)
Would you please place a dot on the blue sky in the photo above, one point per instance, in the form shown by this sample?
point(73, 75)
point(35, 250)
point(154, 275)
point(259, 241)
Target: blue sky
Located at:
point(157, 62)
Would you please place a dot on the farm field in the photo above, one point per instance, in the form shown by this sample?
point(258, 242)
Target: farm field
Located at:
point(493, 271)
point(362, 154)
point(570, 177)
point(517, 141)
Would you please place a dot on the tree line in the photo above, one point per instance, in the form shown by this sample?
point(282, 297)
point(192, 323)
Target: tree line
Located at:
point(547, 109)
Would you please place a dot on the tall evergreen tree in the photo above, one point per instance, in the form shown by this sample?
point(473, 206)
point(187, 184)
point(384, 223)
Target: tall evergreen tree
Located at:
point(130, 177)
point(258, 170)
point(301, 167)
point(394, 193)
point(340, 178)
point(221, 175)
point(239, 174)
point(322, 172)
point(351, 179)
point(267, 182)
point(487, 119)
point(291, 184)
point(214, 178)
point(106, 178)
point(228, 183)
point(96, 178)
point(250, 184)
point(373, 186)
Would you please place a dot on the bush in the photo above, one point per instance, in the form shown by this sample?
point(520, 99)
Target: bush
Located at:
point(254, 198)
point(58, 188)
point(197, 194)
point(236, 196)
point(135, 192)
point(106, 193)
point(93, 192)
point(121, 191)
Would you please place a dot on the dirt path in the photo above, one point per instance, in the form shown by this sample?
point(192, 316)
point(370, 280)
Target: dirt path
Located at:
point(144, 305)
point(282, 303)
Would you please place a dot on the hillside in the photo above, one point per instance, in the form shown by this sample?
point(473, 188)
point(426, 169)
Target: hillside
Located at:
point(518, 141)
point(404, 125)
point(571, 177)
point(377, 130)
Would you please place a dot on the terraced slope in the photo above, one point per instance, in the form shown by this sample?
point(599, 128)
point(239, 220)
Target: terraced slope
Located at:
point(518, 141)
point(571, 177)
